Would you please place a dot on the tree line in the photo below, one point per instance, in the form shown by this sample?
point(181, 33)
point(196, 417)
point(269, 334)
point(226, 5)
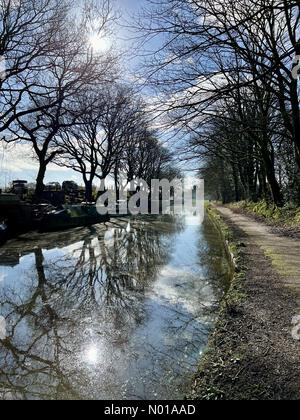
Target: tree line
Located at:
point(228, 72)
point(68, 101)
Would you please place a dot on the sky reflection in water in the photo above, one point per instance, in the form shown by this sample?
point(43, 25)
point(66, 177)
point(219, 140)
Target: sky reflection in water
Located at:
point(121, 311)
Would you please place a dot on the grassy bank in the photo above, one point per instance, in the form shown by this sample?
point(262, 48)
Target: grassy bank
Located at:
point(216, 360)
point(231, 245)
point(273, 215)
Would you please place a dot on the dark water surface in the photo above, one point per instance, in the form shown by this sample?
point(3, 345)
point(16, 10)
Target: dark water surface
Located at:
point(121, 311)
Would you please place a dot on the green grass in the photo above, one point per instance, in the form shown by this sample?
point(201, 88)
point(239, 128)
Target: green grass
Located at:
point(285, 216)
point(226, 233)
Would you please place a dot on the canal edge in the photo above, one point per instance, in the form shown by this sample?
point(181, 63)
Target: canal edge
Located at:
point(229, 304)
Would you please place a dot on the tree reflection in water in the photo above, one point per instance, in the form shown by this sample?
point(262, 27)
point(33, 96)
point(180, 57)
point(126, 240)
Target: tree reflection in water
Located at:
point(85, 320)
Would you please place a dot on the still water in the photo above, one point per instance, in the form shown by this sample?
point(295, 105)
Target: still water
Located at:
point(116, 311)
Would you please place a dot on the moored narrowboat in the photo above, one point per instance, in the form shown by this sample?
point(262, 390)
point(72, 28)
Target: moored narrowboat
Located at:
point(71, 217)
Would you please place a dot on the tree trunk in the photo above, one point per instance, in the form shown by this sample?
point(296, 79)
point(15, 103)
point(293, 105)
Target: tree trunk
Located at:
point(117, 185)
point(262, 193)
point(39, 189)
point(236, 183)
point(89, 191)
point(273, 182)
point(275, 188)
point(244, 183)
point(294, 94)
point(269, 163)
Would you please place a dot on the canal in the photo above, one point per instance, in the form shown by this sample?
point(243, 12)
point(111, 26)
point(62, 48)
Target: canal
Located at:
point(121, 311)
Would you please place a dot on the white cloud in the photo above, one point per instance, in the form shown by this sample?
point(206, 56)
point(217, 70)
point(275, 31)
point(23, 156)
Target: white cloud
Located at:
point(2, 277)
point(17, 161)
point(20, 157)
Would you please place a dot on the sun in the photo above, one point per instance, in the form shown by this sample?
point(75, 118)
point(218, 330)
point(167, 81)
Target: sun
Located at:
point(92, 355)
point(99, 43)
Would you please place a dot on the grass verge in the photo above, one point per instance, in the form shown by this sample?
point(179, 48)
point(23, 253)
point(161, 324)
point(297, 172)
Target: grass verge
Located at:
point(282, 217)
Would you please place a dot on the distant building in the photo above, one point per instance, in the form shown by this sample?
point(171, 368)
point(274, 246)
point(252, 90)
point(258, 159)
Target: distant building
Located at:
point(20, 188)
point(70, 187)
point(53, 186)
point(31, 186)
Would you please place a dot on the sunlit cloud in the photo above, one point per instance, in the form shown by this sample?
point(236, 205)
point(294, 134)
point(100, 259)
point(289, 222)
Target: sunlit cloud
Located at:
point(18, 162)
point(91, 355)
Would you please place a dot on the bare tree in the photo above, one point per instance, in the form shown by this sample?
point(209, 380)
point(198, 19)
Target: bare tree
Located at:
point(94, 146)
point(213, 52)
point(70, 69)
point(27, 34)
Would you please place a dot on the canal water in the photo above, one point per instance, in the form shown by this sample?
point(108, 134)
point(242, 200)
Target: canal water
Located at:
point(121, 311)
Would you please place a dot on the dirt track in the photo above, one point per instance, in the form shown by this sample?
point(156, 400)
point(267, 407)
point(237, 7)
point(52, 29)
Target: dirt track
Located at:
point(283, 251)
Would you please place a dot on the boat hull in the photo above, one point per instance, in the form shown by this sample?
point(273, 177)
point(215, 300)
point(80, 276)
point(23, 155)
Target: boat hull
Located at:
point(71, 218)
point(3, 233)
